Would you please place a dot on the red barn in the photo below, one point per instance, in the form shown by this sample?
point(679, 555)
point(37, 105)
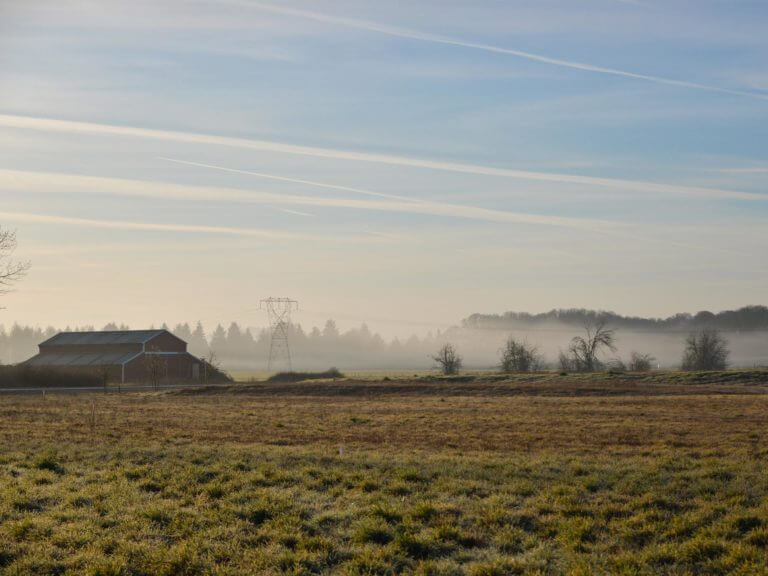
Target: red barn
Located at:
point(125, 355)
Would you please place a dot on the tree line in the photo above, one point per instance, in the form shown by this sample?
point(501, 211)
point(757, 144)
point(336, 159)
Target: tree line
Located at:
point(706, 349)
point(239, 348)
point(747, 318)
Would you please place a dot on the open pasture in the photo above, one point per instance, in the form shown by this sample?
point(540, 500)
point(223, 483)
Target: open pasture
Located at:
point(427, 477)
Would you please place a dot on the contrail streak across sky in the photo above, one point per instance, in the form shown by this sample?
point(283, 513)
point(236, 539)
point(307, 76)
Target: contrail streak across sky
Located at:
point(47, 124)
point(36, 182)
point(438, 39)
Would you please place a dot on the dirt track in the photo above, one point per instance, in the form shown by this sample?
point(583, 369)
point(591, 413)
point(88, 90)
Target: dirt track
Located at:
point(532, 385)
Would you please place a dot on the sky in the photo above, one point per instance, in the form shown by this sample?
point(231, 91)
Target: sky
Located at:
point(403, 164)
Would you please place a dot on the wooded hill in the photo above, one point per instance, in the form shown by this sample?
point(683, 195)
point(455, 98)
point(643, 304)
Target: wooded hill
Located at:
point(746, 319)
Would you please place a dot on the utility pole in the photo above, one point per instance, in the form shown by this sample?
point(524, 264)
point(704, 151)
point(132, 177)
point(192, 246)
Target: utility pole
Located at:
point(279, 314)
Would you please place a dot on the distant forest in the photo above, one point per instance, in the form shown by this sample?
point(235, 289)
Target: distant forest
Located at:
point(238, 348)
point(479, 339)
point(746, 319)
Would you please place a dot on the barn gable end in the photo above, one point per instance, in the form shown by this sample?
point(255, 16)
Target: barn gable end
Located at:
point(123, 354)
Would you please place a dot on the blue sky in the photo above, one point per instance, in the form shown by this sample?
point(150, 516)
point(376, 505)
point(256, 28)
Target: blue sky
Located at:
point(404, 164)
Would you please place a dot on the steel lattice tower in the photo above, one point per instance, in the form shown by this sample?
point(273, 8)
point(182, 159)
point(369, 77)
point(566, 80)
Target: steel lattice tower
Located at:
point(279, 314)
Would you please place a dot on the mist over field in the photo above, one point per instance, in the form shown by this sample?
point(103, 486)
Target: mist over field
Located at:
point(480, 347)
point(478, 339)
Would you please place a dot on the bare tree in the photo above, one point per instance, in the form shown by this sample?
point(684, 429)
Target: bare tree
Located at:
point(706, 350)
point(103, 373)
point(210, 364)
point(641, 362)
point(212, 360)
point(519, 356)
point(583, 351)
point(10, 270)
point(565, 362)
point(156, 367)
point(448, 360)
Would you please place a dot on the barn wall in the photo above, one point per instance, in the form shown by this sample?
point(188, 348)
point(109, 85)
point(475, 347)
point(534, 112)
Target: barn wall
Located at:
point(113, 372)
point(179, 367)
point(166, 342)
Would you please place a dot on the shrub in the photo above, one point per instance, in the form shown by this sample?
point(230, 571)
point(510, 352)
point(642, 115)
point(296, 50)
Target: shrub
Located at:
point(706, 350)
point(519, 356)
point(641, 362)
point(616, 366)
point(331, 373)
point(448, 360)
point(213, 372)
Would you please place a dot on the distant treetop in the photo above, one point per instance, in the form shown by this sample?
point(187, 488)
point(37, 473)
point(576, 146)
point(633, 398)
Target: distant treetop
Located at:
point(748, 318)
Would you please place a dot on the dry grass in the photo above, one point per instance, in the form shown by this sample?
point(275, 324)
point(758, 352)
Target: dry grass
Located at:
point(385, 482)
point(725, 424)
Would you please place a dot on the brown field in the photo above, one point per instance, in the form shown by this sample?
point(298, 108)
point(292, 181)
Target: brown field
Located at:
point(431, 477)
point(407, 417)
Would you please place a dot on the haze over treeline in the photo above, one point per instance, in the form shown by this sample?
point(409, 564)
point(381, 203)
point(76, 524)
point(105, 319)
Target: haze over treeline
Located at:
point(748, 318)
point(478, 338)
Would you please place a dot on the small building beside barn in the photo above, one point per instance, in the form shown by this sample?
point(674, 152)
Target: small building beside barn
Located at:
point(123, 355)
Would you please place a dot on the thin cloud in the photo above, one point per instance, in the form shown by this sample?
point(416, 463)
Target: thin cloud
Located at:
point(75, 184)
point(183, 246)
point(437, 39)
point(600, 227)
point(749, 170)
point(296, 212)
point(47, 124)
point(35, 218)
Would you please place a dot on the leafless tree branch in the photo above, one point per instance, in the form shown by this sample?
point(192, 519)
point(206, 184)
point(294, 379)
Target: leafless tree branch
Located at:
point(10, 270)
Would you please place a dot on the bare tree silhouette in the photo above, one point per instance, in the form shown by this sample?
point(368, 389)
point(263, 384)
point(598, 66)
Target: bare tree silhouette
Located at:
point(583, 351)
point(10, 270)
point(448, 360)
point(706, 350)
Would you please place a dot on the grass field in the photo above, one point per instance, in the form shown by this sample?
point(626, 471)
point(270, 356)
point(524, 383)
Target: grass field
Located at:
point(662, 475)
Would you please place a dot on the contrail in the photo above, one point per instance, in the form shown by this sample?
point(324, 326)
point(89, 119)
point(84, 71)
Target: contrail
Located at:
point(288, 179)
point(678, 189)
point(295, 212)
point(22, 181)
point(437, 39)
point(46, 124)
point(36, 218)
point(48, 182)
point(472, 212)
point(127, 225)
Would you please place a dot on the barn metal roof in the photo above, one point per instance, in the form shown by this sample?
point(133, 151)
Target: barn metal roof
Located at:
point(105, 338)
point(80, 360)
point(75, 359)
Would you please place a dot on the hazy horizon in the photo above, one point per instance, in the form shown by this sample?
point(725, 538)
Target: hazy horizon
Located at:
point(402, 167)
point(478, 339)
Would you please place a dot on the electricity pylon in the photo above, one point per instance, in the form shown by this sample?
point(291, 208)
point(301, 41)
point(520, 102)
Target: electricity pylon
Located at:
point(279, 314)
